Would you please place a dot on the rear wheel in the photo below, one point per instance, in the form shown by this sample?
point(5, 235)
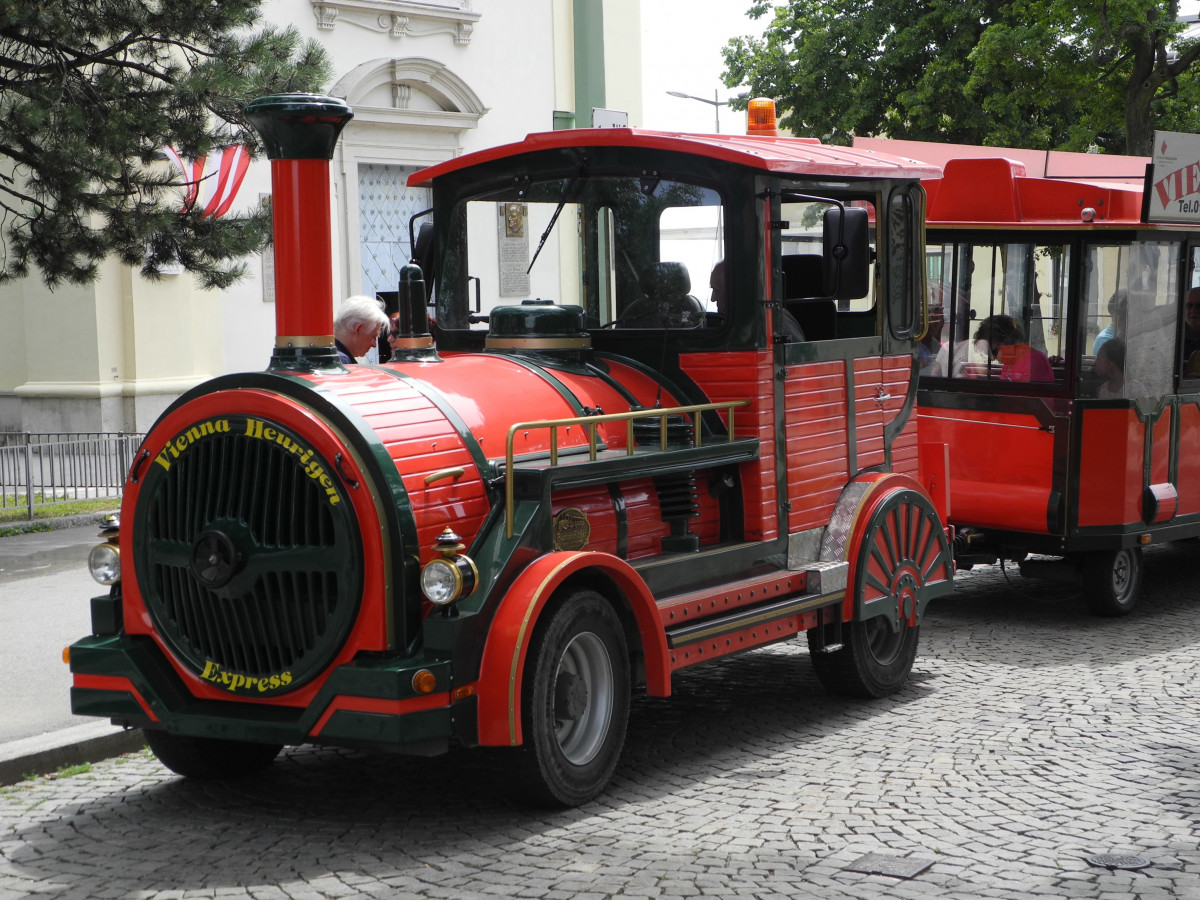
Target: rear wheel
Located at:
point(873, 660)
point(1112, 580)
point(575, 703)
point(210, 758)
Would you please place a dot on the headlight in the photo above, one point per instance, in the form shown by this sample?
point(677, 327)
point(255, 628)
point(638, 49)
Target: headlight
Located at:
point(104, 562)
point(447, 579)
point(452, 575)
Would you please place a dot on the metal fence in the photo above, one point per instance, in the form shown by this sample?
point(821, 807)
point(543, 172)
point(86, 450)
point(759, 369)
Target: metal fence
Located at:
point(48, 469)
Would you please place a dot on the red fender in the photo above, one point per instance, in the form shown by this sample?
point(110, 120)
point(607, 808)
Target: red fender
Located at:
point(880, 486)
point(502, 668)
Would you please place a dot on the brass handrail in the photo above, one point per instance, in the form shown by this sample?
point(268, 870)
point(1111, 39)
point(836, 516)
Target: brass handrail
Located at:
point(591, 422)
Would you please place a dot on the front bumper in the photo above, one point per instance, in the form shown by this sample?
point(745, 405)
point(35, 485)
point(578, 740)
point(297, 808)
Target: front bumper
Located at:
point(366, 703)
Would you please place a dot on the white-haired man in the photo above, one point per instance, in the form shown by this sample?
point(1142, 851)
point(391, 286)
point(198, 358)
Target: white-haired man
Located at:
point(357, 326)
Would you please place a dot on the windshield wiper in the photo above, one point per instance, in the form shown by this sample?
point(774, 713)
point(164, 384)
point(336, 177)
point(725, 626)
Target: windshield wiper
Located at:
point(554, 218)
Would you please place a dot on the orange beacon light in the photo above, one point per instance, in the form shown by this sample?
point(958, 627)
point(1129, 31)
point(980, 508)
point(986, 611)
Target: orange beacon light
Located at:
point(760, 117)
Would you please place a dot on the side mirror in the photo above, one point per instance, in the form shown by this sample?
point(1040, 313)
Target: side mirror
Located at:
point(846, 239)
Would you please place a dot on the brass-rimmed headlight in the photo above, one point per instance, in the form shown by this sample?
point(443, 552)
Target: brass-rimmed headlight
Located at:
point(451, 576)
point(104, 562)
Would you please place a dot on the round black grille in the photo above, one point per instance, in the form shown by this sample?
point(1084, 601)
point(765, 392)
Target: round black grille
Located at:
point(248, 554)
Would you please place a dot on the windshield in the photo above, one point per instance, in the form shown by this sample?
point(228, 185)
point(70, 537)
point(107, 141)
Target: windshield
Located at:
point(632, 252)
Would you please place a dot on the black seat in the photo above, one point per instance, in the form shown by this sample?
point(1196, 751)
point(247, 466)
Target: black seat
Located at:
point(806, 297)
point(667, 303)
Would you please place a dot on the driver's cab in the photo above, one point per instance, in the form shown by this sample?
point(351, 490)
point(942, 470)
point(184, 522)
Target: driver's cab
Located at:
point(657, 247)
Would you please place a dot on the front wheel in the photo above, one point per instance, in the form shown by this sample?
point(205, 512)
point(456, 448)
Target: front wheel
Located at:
point(873, 661)
point(209, 758)
point(575, 703)
point(1112, 580)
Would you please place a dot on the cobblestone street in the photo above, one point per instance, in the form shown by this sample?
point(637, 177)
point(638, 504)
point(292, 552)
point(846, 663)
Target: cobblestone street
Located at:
point(1031, 737)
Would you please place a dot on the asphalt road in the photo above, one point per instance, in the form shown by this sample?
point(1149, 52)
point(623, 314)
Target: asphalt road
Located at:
point(44, 592)
point(1031, 737)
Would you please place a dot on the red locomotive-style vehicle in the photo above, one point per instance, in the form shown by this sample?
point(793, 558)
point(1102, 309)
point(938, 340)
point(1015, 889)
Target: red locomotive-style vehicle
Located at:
point(1059, 368)
point(573, 478)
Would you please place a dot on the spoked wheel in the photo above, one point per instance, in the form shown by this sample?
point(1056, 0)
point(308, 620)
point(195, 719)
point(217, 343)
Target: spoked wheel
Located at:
point(575, 703)
point(209, 758)
point(903, 559)
point(873, 661)
point(1112, 580)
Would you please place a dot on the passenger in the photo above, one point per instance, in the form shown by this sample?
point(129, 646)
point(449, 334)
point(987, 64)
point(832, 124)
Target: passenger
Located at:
point(1118, 311)
point(932, 352)
point(1110, 366)
point(716, 283)
point(357, 327)
point(1006, 344)
point(1191, 332)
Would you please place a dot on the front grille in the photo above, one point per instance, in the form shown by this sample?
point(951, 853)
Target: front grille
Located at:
point(248, 554)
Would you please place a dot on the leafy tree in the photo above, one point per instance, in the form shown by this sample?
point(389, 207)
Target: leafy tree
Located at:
point(92, 91)
point(1046, 74)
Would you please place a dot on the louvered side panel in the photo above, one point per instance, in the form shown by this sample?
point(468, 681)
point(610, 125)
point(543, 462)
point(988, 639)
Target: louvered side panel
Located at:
point(746, 376)
point(817, 442)
point(421, 441)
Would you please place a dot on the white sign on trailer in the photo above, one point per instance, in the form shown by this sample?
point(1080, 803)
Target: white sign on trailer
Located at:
point(1172, 192)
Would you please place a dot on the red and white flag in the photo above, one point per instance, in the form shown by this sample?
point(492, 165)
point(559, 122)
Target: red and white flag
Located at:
point(212, 180)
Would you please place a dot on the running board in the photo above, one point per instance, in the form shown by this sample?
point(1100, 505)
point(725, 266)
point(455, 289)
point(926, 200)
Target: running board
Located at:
point(706, 624)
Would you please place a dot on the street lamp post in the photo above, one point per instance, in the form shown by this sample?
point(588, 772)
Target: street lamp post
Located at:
point(714, 103)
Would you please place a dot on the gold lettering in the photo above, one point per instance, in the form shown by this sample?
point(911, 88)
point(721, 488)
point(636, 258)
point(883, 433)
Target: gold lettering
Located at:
point(235, 683)
point(163, 460)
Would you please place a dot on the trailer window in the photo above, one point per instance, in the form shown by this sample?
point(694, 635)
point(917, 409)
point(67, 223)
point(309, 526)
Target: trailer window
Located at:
point(1129, 302)
point(997, 311)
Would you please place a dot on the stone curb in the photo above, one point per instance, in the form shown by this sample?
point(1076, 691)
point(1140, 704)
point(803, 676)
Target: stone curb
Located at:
point(24, 526)
point(46, 753)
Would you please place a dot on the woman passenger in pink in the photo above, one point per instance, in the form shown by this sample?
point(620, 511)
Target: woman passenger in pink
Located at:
point(1006, 344)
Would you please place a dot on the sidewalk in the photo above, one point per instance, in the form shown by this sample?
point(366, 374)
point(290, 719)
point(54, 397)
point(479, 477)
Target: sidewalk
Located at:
point(91, 739)
point(89, 742)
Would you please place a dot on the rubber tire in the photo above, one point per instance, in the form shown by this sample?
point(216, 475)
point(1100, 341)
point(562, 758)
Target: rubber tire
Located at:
point(210, 759)
point(1112, 581)
point(562, 764)
point(872, 662)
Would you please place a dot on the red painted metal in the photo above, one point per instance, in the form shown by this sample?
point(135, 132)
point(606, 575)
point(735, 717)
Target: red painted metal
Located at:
point(303, 258)
point(746, 376)
point(379, 706)
point(116, 683)
point(741, 641)
point(995, 455)
point(795, 156)
point(1111, 462)
point(818, 441)
point(502, 669)
point(698, 604)
point(996, 191)
point(1188, 479)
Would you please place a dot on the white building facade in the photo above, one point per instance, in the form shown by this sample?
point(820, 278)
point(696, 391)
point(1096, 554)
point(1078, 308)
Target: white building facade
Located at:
point(428, 81)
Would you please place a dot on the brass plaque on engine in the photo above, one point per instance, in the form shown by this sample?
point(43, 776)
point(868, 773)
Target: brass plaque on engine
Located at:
point(571, 529)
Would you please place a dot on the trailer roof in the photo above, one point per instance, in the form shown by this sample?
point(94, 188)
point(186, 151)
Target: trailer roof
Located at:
point(782, 155)
point(999, 186)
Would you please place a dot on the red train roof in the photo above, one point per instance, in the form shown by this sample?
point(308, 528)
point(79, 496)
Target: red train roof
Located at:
point(783, 155)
